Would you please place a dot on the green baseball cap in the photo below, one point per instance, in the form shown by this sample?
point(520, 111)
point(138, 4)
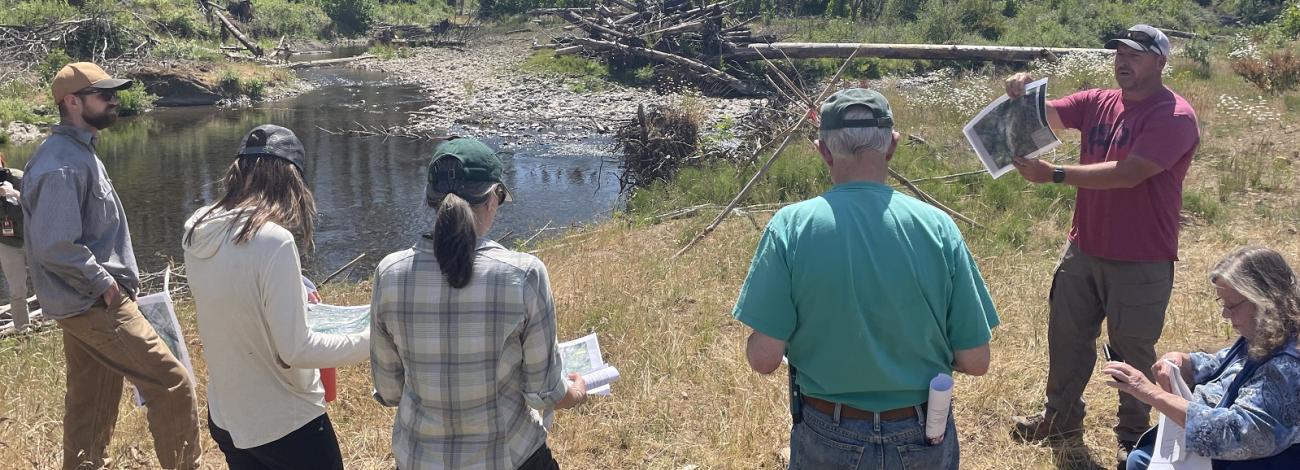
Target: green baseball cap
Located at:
point(835, 107)
point(465, 167)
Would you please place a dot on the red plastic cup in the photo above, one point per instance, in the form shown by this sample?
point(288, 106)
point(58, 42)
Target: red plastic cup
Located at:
point(329, 378)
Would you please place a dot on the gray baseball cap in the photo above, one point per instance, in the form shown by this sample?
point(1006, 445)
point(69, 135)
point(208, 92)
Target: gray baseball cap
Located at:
point(274, 141)
point(1145, 38)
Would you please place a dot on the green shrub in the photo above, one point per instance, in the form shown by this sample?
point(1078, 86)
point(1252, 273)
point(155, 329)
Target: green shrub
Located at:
point(185, 50)
point(1252, 11)
point(983, 17)
point(230, 83)
point(416, 12)
point(1205, 206)
point(134, 100)
point(20, 109)
point(385, 51)
point(940, 23)
point(34, 12)
point(1287, 25)
point(277, 18)
point(255, 89)
point(351, 17)
point(54, 61)
point(546, 62)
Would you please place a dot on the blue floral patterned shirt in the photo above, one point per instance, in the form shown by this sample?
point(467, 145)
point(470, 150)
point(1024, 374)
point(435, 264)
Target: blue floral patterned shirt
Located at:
point(1263, 421)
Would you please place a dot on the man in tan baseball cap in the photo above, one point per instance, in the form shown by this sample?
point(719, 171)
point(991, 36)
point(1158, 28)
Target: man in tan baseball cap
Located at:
point(83, 269)
point(93, 95)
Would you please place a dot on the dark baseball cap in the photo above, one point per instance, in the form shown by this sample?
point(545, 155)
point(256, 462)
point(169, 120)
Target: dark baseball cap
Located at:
point(274, 141)
point(1145, 38)
point(834, 109)
point(465, 167)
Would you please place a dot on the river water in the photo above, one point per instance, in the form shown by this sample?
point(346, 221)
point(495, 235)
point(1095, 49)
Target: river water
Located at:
point(369, 190)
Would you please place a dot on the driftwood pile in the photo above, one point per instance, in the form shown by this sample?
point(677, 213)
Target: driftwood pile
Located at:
point(96, 37)
point(442, 33)
point(674, 34)
point(658, 142)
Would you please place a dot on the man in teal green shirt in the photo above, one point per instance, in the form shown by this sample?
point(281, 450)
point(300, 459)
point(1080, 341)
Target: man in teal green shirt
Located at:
point(870, 294)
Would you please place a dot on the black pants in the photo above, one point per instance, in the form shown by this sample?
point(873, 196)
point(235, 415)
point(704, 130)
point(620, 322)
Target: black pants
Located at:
point(541, 460)
point(312, 446)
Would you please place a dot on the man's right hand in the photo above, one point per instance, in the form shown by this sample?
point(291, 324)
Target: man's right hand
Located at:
point(112, 294)
point(1016, 84)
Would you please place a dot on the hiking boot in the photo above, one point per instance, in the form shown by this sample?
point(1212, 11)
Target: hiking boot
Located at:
point(1122, 453)
point(1037, 428)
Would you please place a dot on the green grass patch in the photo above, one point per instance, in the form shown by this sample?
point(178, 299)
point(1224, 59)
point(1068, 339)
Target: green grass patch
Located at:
point(580, 74)
point(1203, 205)
point(134, 100)
point(25, 102)
point(184, 49)
point(416, 12)
point(275, 18)
point(386, 52)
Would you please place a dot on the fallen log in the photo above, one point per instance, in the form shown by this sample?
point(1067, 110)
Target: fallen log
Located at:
point(570, 50)
point(234, 30)
point(323, 62)
point(681, 28)
point(552, 11)
point(694, 66)
point(595, 29)
point(804, 50)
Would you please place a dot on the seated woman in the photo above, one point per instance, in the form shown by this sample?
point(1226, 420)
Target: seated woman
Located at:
point(464, 340)
point(1245, 409)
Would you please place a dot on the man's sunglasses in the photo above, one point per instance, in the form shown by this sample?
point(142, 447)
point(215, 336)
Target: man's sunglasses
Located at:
point(1140, 38)
point(106, 95)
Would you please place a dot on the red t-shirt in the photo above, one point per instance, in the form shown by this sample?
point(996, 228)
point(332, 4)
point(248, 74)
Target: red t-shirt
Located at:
point(1138, 223)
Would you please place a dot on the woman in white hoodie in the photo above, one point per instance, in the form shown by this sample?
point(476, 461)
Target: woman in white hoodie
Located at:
point(266, 406)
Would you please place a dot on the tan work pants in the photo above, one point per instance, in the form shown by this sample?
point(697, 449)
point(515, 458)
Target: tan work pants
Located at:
point(1131, 297)
point(104, 345)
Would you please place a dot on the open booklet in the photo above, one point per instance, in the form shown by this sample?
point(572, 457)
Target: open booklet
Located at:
point(1170, 452)
point(159, 310)
point(338, 319)
point(582, 355)
point(1009, 128)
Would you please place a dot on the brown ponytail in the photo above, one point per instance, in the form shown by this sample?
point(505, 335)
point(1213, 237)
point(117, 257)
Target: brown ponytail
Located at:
point(454, 237)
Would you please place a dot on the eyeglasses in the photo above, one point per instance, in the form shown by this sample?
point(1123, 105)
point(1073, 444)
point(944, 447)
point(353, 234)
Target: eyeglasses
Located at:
point(1230, 307)
point(500, 191)
point(106, 95)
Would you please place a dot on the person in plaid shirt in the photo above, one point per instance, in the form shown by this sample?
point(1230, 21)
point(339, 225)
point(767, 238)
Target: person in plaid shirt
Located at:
point(463, 335)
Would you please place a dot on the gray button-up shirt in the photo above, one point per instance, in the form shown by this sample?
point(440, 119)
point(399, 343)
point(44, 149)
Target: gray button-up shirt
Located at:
point(78, 243)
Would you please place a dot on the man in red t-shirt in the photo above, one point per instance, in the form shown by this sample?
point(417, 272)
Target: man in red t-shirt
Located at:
point(1136, 145)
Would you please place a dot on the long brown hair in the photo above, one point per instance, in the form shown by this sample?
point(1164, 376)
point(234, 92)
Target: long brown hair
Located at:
point(454, 239)
point(265, 189)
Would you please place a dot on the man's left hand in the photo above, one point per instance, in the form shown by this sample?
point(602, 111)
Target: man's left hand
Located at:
point(1034, 170)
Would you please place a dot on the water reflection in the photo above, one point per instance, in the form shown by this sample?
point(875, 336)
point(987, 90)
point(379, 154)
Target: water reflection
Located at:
point(369, 191)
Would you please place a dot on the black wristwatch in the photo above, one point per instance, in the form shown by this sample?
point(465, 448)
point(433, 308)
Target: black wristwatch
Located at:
point(1058, 175)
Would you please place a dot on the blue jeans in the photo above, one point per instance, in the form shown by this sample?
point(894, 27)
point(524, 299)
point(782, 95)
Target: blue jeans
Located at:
point(1140, 457)
point(820, 442)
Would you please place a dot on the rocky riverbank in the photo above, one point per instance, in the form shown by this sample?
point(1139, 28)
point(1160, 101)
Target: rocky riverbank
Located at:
point(481, 89)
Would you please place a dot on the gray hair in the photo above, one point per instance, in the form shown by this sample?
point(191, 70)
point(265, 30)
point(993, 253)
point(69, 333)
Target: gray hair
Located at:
point(848, 142)
point(1263, 277)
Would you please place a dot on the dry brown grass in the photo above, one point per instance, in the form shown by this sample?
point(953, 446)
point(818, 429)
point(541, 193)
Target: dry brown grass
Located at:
point(687, 396)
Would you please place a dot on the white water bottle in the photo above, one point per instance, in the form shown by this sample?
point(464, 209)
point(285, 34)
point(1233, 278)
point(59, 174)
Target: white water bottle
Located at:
point(936, 416)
